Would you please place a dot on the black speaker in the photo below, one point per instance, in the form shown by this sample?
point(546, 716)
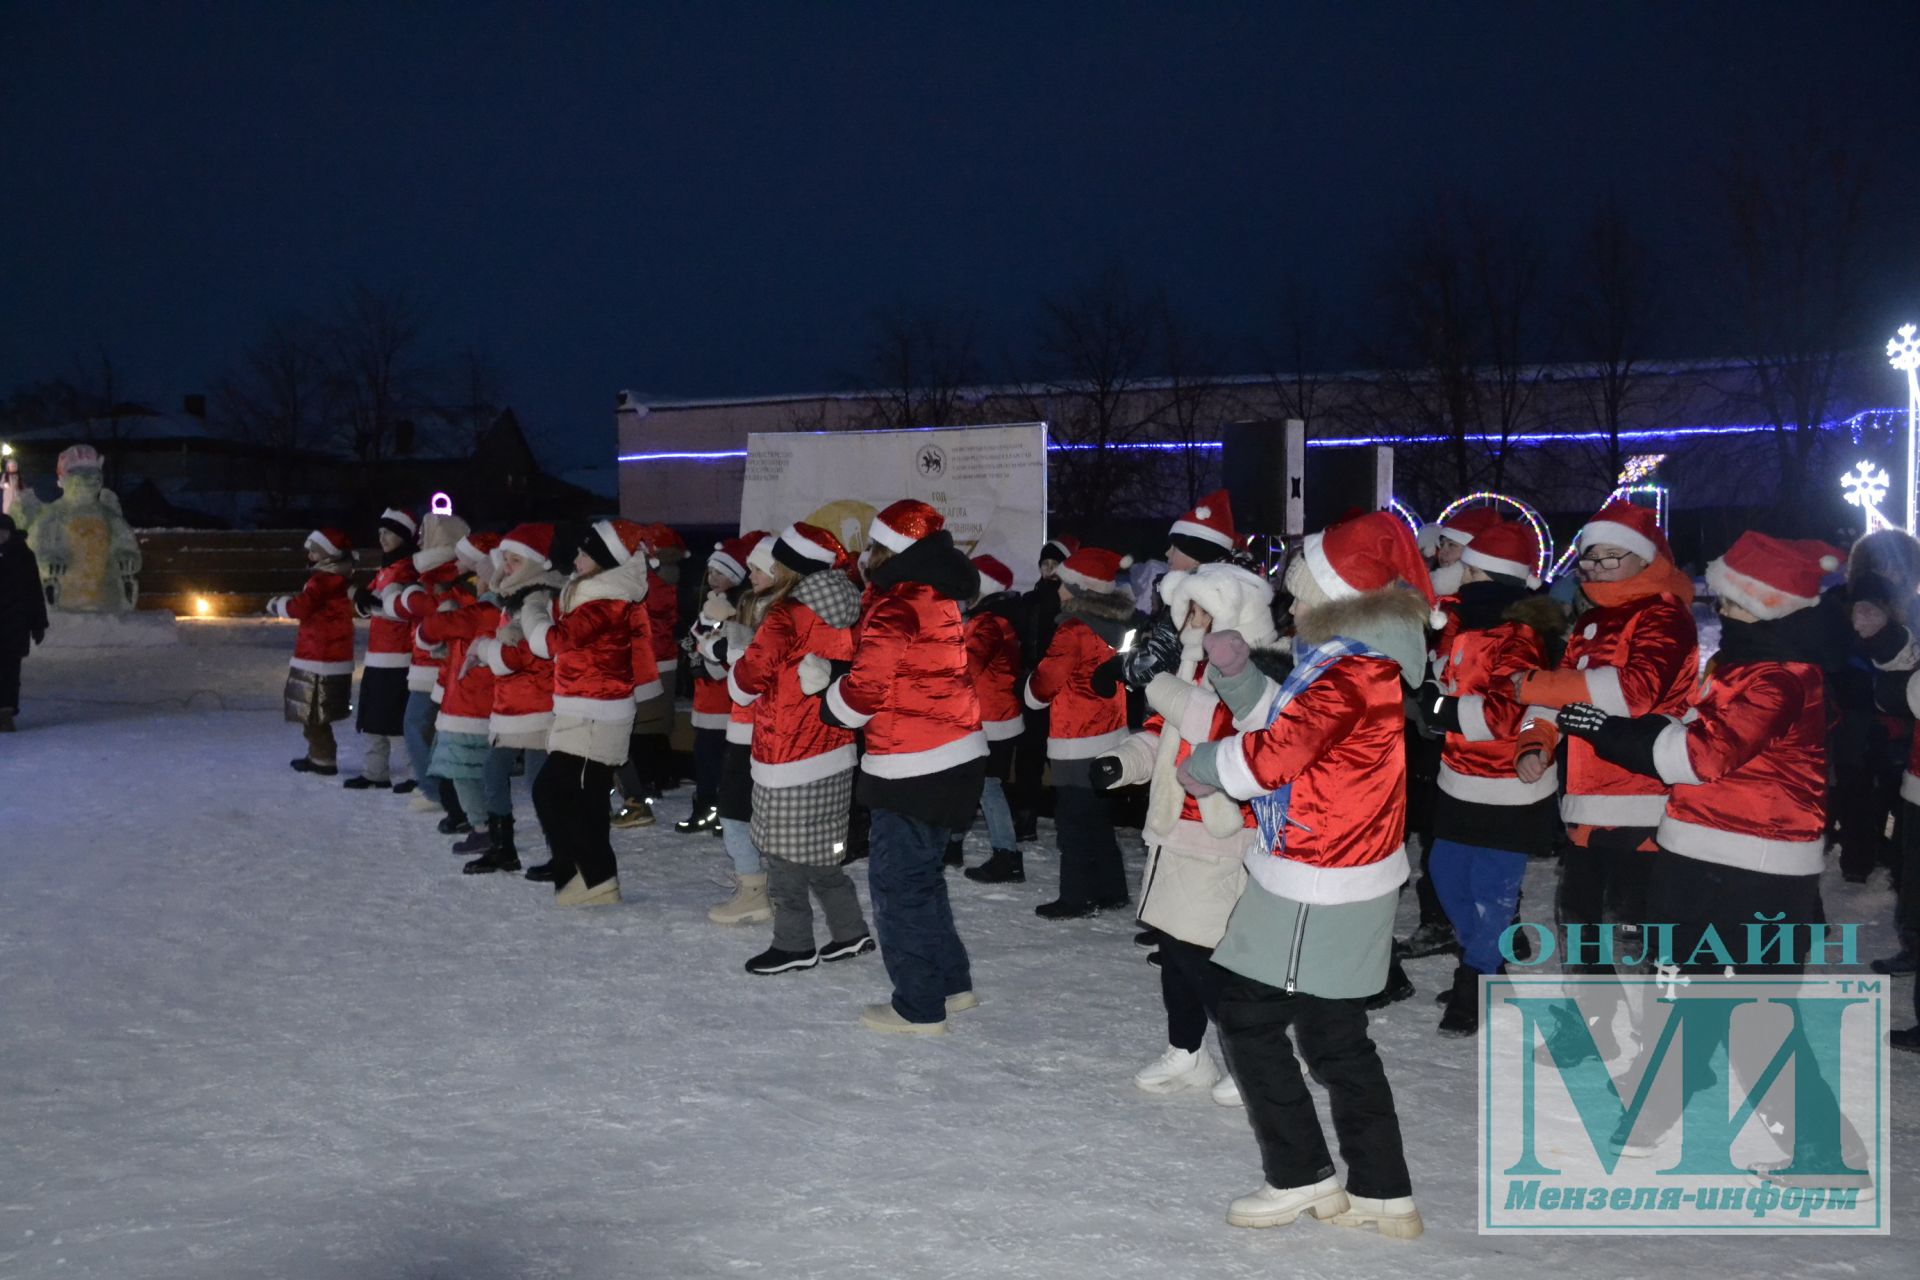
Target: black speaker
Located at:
point(1253, 463)
point(1280, 484)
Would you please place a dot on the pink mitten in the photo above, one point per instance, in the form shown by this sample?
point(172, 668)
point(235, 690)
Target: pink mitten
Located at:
point(1227, 652)
point(1190, 784)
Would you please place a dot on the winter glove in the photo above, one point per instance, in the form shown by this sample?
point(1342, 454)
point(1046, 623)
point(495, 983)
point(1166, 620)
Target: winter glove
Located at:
point(1621, 740)
point(277, 606)
point(1433, 714)
point(816, 673)
point(1106, 677)
point(717, 608)
point(1192, 785)
point(1227, 653)
point(478, 653)
point(364, 601)
point(1160, 651)
point(713, 648)
point(1105, 773)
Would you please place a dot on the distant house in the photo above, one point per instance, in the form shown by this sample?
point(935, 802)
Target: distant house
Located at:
point(178, 469)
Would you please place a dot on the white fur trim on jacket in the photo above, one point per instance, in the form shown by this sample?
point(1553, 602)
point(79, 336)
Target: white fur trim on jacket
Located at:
point(1236, 777)
point(914, 764)
point(1613, 811)
point(1003, 730)
point(649, 691)
point(739, 732)
point(602, 709)
point(1473, 718)
point(795, 773)
point(1026, 696)
point(1671, 759)
point(497, 662)
point(1603, 686)
point(1733, 849)
point(1084, 748)
point(531, 722)
point(421, 679)
point(1505, 791)
point(377, 659)
point(445, 723)
point(1327, 886)
point(320, 668)
point(740, 696)
point(710, 719)
point(837, 703)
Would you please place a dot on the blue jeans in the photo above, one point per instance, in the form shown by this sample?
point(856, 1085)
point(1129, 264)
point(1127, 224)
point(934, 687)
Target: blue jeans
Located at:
point(1480, 889)
point(417, 728)
point(737, 836)
point(492, 793)
point(993, 807)
point(912, 917)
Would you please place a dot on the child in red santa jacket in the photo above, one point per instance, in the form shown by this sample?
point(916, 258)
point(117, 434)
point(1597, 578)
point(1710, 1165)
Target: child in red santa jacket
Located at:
point(1486, 821)
point(993, 660)
point(726, 574)
point(435, 582)
point(1311, 937)
point(595, 632)
point(802, 767)
point(1633, 653)
point(320, 677)
point(925, 760)
point(382, 712)
point(1086, 718)
point(460, 744)
point(649, 771)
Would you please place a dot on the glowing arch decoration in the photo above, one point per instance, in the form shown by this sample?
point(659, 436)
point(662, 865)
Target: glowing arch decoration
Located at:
point(1406, 514)
point(1484, 498)
point(1636, 480)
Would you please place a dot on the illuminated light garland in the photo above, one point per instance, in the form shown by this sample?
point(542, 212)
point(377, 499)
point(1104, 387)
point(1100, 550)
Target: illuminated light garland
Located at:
point(1639, 467)
point(1634, 481)
point(1856, 425)
point(1406, 514)
point(1866, 487)
point(1541, 533)
point(1903, 353)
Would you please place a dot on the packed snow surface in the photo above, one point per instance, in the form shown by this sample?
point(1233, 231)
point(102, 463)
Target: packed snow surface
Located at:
point(252, 1024)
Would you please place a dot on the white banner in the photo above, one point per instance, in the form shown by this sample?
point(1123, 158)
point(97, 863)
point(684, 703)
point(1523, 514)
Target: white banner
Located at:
point(989, 482)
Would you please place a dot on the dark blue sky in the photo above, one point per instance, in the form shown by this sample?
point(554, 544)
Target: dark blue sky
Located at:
point(711, 198)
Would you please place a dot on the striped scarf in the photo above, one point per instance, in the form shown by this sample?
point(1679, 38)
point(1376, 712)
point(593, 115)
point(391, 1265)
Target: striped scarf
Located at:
point(1308, 665)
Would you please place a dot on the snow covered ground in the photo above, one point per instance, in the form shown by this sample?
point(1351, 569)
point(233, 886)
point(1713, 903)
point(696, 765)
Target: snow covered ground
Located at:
point(255, 1025)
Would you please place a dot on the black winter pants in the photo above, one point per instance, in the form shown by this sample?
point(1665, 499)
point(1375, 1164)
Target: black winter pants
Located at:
point(709, 757)
point(1090, 866)
point(570, 798)
point(1190, 989)
point(9, 681)
point(1254, 1020)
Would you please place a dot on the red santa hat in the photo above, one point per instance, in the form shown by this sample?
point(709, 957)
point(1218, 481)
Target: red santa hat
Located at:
point(530, 542)
point(730, 555)
point(993, 573)
point(1059, 547)
point(806, 548)
point(622, 539)
point(1770, 577)
point(331, 543)
point(904, 523)
point(1368, 553)
point(400, 523)
point(1096, 569)
point(1506, 547)
point(476, 548)
point(1630, 527)
point(661, 538)
point(1211, 521)
point(1468, 522)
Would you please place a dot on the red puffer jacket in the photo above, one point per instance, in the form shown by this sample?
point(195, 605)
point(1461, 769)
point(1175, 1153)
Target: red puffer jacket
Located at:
point(433, 588)
point(590, 633)
point(1342, 744)
point(909, 687)
point(1634, 658)
point(646, 672)
point(324, 644)
point(389, 640)
point(466, 706)
point(993, 661)
point(711, 704)
point(1082, 723)
point(1749, 771)
point(791, 743)
point(1476, 764)
point(663, 624)
point(522, 689)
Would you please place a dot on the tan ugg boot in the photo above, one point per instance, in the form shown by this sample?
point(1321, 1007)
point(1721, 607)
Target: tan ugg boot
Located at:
point(575, 893)
point(748, 905)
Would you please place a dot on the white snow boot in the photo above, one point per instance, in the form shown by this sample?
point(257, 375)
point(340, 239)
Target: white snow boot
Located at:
point(1178, 1069)
point(1277, 1206)
point(423, 803)
point(575, 893)
point(1395, 1218)
point(1227, 1092)
point(748, 905)
point(886, 1018)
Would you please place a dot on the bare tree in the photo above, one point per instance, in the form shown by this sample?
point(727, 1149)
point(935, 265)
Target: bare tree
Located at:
point(1795, 211)
point(377, 370)
point(1294, 357)
point(280, 396)
point(1187, 408)
point(922, 362)
point(1505, 270)
point(103, 406)
point(1613, 313)
point(479, 395)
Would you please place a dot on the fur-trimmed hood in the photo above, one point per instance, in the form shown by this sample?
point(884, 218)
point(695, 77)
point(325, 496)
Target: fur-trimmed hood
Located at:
point(622, 582)
point(1109, 613)
point(1392, 620)
point(1543, 613)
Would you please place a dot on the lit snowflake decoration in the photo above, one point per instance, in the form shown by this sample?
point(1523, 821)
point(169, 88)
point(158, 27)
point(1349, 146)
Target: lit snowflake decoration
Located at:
point(1639, 467)
point(1866, 485)
point(1903, 352)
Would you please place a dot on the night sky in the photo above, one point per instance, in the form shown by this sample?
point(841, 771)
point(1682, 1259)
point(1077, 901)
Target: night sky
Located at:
point(712, 198)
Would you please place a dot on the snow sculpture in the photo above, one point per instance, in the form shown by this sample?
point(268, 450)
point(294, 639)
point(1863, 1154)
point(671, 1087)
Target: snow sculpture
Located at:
point(88, 554)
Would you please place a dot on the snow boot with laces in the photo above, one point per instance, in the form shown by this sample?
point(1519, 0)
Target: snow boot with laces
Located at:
point(500, 854)
point(748, 905)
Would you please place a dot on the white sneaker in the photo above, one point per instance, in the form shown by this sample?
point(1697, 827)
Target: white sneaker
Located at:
point(1277, 1206)
point(1177, 1069)
point(1227, 1092)
point(1395, 1218)
point(962, 1001)
point(884, 1017)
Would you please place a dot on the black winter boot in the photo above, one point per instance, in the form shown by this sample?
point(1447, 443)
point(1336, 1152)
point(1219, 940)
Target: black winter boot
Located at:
point(1006, 866)
point(704, 817)
point(956, 854)
point(1399, 986)
point(1462, 1016)
point(1430, 939)
point(500, 854)
point(543, 873)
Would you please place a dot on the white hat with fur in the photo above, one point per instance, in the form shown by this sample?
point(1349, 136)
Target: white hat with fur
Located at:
point(1238, 599)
